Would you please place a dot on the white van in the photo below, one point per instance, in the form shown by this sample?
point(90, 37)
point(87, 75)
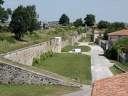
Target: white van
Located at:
point(77, 51)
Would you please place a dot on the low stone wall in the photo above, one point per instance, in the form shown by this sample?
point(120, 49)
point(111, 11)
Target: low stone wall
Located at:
point(26, 55)
point(11, 74)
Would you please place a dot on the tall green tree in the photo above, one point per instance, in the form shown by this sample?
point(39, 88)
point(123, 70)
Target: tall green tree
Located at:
point(78, 22)
point(1, 2)
point(4, 14)
point(64, 19)
point(103, 24)
point(122, 44)
point(116, 26)
point(90, 19)
point(23, 19)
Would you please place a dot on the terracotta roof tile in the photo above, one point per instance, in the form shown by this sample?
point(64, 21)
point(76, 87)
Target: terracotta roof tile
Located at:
point(113, 86)
point(119, 33)
point(98, 31)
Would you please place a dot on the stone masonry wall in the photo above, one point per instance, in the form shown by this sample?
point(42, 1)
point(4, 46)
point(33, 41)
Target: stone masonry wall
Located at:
point(26, 55)
point(11, 74)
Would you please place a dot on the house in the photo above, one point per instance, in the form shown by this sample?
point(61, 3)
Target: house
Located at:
point(112, 86)
point(114, 36)
point(97, 33)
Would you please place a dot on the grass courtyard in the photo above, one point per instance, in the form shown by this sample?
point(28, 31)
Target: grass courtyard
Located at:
point(69, 65)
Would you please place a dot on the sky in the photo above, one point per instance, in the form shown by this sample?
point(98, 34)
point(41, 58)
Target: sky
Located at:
point(51, 10)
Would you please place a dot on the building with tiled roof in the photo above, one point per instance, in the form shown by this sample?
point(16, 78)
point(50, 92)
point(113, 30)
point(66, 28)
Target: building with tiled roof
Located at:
point(114, 36)
point(119, 33)
point(112, 86)
point(97, 33)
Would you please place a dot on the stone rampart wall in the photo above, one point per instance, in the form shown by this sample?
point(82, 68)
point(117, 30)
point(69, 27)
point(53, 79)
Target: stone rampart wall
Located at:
point(26, 55)
point(10, 74)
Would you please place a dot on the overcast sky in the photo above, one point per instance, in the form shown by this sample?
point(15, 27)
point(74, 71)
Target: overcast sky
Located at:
point(51, 10)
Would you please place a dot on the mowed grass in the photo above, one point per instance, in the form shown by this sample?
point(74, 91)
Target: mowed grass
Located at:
point(83, 48)
point(92, 43)
point(115, 71)
point(69, 65)
point(34, 90)
point(120, 65)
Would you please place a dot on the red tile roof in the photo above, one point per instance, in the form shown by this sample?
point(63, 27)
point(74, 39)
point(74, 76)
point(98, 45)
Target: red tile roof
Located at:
point(98, 31)
point(119, 33)
point(113, 86)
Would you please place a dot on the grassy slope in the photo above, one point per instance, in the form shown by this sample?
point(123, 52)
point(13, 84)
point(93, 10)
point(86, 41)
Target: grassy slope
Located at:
point(34, 90)
point(115, 71)
point(69, 65)
point(37, 37)
point(119, 64)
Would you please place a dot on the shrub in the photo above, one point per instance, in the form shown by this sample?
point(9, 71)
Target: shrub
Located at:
point(47, 54)
point(7, 38)
point(111, 53)
point(43, 56)
point(36, 60)
point(51, 53)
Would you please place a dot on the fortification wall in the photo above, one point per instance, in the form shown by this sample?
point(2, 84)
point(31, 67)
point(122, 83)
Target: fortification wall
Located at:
point(10, 74)
point(26, 55)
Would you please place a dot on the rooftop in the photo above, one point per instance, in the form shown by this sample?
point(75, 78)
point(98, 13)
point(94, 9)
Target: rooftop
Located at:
point(112, 86)
point(119, 33)
point(98, 31)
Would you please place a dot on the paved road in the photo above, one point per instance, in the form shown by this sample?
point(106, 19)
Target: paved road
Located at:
point(99, 64)
point(99, 68)
point(86, 91)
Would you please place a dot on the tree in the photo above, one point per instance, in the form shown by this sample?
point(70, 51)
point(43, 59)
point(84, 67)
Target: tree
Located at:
point(103, 24)
point(116, 26)
point(4, 14)
point(78, 22)
point(64, 19)
point(1, 2)
point(89, 20)
point(23, 19)
point(122, 44)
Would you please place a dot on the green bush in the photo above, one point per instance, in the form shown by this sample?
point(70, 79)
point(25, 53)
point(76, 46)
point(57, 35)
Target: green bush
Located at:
point(4, 29)
point(47, 54)
point(36, 61)
point(43, 56)
point(51, 53)
point(111, 53)
point(7, 38)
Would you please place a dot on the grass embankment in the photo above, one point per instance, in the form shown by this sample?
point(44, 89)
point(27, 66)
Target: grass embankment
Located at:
point(92, 44)
point(120, 65)
point(9, 43)
point(83, 48)
point(69, 65)
point(34, 90)
point(115, 70)
point(88, 38)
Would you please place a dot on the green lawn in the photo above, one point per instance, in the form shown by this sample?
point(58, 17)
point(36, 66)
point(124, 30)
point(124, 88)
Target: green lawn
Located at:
point(83, 48)
point(69, 65)
point(115, 71)
point(34, 90)
point(92, 44)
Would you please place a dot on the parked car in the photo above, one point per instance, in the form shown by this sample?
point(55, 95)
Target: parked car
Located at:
point(77, 51)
